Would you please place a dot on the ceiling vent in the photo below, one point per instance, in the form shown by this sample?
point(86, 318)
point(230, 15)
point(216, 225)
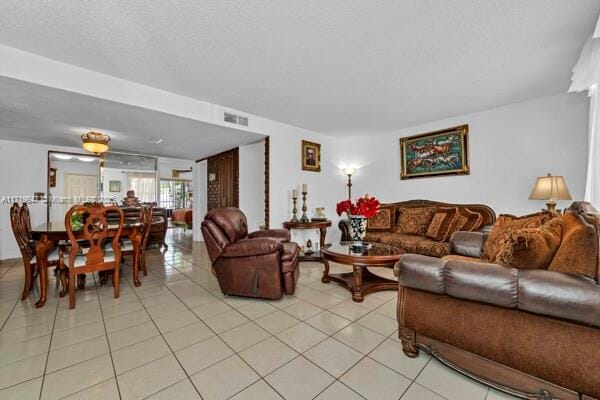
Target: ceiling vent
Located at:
point(235, 119)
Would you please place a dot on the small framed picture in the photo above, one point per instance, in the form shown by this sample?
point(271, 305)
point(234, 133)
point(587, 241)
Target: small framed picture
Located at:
point(311, 156)
point(114, 186)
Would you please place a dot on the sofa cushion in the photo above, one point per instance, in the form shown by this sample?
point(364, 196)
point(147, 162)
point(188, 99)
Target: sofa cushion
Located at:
point(439, 228)
point(578, 250)
point(483, 282)
point(531, 248)
point(376, 236)
point(384, 220)
point(416, 244)
point(414, 220)
point(507, 223)
point(566, 296)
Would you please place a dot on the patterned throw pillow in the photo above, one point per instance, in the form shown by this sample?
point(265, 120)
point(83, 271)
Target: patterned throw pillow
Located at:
point(473, 220)
point(505, 224)
point(439, 228)
point(383, 220)
point(532, 248)
point(466, 220)
point(414, 220)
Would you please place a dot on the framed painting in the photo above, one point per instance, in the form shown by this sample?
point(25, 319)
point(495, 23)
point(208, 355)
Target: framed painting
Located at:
point(114, 186)
point(443, 152)
point(311, 156)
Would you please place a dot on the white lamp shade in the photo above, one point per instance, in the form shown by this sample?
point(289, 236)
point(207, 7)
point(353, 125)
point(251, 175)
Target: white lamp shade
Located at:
point(550, 187)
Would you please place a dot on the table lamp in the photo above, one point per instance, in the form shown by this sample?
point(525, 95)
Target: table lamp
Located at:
point(550, 188)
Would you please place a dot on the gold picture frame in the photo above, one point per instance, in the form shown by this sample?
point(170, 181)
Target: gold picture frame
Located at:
point(438, 153)
point(311, 156)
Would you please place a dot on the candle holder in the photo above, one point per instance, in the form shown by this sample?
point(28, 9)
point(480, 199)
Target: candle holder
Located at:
point(294, 209)
point(304, 218)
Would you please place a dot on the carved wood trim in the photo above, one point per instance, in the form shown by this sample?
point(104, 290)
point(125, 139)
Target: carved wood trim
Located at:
point(494, 374)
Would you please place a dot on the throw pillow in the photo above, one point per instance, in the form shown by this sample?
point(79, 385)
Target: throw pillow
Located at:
point(414, 220)
point(383, 220)
point(578, 249)
point(466, 220)
point(531, 248)
point(506, 223)
point(442, 221)
point(473, 220)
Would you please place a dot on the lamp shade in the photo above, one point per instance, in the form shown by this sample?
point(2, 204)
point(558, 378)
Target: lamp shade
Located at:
point(550, 187)
point(95, 142)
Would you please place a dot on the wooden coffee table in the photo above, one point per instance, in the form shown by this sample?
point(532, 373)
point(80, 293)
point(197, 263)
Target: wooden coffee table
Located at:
point(360, 281)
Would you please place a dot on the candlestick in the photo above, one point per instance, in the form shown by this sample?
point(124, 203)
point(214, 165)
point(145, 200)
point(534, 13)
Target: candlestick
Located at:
point(304, 218)
point(294, 209)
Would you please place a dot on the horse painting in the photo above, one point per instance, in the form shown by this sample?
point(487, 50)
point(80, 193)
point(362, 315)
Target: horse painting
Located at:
point(435, 153)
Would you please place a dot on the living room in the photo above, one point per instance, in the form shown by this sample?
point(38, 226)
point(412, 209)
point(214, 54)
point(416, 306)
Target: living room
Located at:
point(299, 200)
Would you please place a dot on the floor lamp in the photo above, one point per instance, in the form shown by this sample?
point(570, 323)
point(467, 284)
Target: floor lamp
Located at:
point(349, 171)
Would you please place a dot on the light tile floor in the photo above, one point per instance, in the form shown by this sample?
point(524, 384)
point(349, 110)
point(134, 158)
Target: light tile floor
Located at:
point(178, 337)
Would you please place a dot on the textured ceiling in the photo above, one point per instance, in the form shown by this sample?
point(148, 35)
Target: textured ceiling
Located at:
point(336, 66)
point(34, 113)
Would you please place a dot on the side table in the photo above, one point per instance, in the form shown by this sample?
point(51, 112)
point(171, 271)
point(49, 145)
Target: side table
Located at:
point(321, 226)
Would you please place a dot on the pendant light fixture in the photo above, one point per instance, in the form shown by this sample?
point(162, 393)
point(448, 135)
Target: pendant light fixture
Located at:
point(95, 142)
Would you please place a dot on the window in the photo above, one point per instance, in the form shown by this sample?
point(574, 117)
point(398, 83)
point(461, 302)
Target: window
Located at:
point(175, 193)
point(144, 185)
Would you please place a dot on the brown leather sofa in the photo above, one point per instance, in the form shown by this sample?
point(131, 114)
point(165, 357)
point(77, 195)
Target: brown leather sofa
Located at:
point(534, 333)
point(390, 225)
point(261, 264)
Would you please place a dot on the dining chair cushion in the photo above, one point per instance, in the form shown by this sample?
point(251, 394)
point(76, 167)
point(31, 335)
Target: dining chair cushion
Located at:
point(52, 256)
point(80, 261)
point(126, 245)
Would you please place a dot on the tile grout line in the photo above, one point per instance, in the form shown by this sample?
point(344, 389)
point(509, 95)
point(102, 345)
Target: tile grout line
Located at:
point(327, 337)
point(112, 361)
point(235, 353)
point(48, 353)
point(166, 342)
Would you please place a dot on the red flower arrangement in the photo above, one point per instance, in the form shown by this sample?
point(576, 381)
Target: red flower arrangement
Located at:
point(365, 207)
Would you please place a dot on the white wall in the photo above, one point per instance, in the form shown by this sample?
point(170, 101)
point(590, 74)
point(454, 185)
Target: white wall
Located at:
point(509, 147)
point(200, 205)
point(167, 165)
point(252, 183)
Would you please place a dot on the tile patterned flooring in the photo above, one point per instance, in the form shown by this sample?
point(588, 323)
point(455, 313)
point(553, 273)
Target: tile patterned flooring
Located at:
point(178, 337)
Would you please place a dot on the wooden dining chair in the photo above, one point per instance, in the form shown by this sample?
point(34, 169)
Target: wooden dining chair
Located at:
point(95, 231)
point(20, 221)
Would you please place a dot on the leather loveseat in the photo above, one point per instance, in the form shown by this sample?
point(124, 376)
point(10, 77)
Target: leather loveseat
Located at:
point(408, 225)
point(260, 264)
point(534, 333)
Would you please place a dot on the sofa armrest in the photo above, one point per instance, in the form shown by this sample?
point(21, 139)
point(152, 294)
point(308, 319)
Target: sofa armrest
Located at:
point(283, 235)
point(556, 294)
point(421, 272)
point(469, 244)
point(344, 226)
point(252, 247)
point(485, 229)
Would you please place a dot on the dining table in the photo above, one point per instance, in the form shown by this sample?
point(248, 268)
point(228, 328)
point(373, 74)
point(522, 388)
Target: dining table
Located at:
point(48, 235)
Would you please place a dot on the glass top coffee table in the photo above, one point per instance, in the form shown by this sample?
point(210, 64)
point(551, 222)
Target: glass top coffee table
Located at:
point(360, 281)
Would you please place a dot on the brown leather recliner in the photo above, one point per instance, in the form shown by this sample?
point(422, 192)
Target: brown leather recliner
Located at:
point(531, 332)
point(260, 264)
